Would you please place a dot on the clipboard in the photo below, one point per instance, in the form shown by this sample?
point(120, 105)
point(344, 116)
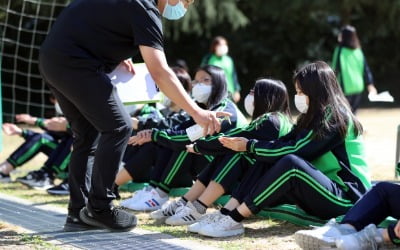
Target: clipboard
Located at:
point(138, 88)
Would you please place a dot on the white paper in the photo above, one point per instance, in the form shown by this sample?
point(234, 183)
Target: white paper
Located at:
point(384, 96)
point(134, 88)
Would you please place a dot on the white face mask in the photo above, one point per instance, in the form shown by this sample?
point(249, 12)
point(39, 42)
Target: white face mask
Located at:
point(221, 50)
point(300, 101)
point(174, 12)
point(201, 92)
point(58, 108)
point(249, 104)
point(165, 101)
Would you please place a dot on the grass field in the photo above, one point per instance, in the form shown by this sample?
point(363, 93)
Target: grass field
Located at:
point(380, 138)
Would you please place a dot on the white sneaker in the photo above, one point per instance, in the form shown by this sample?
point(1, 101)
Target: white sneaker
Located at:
point(184, 215)
point(148, 201)
point(368, 238)
point(322, 237)
point(167, 210)
point(203, 221)
point(135, 196)
point(224, 227)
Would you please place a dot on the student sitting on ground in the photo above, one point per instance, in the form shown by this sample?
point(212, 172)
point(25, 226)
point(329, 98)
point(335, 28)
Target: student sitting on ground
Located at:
point(137, 164)
point(56, 166)
point(175, 167)
point(320, 166)
point(55, 130)
point(268, 105)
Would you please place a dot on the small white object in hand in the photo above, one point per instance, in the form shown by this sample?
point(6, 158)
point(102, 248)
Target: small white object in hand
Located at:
point(384, 96)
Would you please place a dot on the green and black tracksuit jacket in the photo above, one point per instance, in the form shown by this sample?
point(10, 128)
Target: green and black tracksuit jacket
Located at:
point(177, 167)
point(324, 177)
point(229, 166)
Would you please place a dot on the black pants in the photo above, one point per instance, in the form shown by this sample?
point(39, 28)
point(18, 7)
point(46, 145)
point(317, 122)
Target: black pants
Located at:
point(249, 179)
point(140, 160)
point(58, 161)
point(180, 169)
point(292, 180)
point(91, 105)
point(226, 170)
point(377, 204)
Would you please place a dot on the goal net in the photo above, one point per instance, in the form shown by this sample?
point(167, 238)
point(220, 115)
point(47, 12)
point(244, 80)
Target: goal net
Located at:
point(24, 25)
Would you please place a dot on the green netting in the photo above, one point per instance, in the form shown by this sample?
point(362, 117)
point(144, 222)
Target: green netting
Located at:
point(24, 25)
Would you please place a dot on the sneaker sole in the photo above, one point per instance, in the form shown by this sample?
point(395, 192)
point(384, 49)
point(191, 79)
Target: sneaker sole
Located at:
point(159, 220)
point(142, 210)
point(72, 227)
point(310, 242)
point(24, 182)
point(5, 180)
point(31, 184)
point(179, 223)
point(57, 192)
point(42, 187)
point(223, 234)
point(91, 221)
point(193, 230)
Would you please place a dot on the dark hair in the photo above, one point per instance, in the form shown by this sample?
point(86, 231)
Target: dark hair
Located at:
point(270, 96)
point(218, 85)
point(183, 77)
point(181, 64)
point(216, 41)
point(328, 109)
point(349, 37)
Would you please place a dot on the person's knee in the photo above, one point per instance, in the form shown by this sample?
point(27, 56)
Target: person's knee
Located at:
point(85, 140)
point(38, 137)
point(288, 162)
point(386, 188)
point(123, 130)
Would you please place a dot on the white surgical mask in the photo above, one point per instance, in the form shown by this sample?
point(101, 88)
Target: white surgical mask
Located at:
point(201, 92)
point(165, 101)
point(174, 12)
point(58, 108)
point(249, 104)
point(221, 50)
point(300, 101)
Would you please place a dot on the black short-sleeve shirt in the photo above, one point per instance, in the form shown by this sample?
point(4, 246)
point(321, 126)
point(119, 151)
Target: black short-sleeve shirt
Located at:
point(107, 31)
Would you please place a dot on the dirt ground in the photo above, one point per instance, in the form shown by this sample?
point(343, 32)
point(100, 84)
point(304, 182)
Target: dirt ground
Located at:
point(380, 137)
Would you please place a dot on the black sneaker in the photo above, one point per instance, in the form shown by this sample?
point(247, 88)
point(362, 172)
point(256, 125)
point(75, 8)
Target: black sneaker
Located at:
point(62, 189)
point(75, 224)
point(114, 219)
point(5, 178)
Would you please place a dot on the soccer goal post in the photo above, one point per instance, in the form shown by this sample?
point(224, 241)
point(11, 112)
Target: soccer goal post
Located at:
point(24, 25)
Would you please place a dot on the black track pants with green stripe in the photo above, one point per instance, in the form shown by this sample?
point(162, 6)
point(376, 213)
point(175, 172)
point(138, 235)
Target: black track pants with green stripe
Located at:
point(34, 144)
point(180, 170)
point(139, 161)
point(225, 170)
point(292, 180)
point(58, 161)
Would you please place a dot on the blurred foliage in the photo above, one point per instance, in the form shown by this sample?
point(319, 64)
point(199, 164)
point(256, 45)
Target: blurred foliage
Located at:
point(281, 35)
point(274, 37)
point(204, 16)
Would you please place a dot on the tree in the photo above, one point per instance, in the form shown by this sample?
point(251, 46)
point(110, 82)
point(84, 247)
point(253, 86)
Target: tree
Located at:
point(204, 16)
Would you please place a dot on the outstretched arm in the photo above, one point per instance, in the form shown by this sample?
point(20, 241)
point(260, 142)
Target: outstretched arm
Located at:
point(169, 84)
